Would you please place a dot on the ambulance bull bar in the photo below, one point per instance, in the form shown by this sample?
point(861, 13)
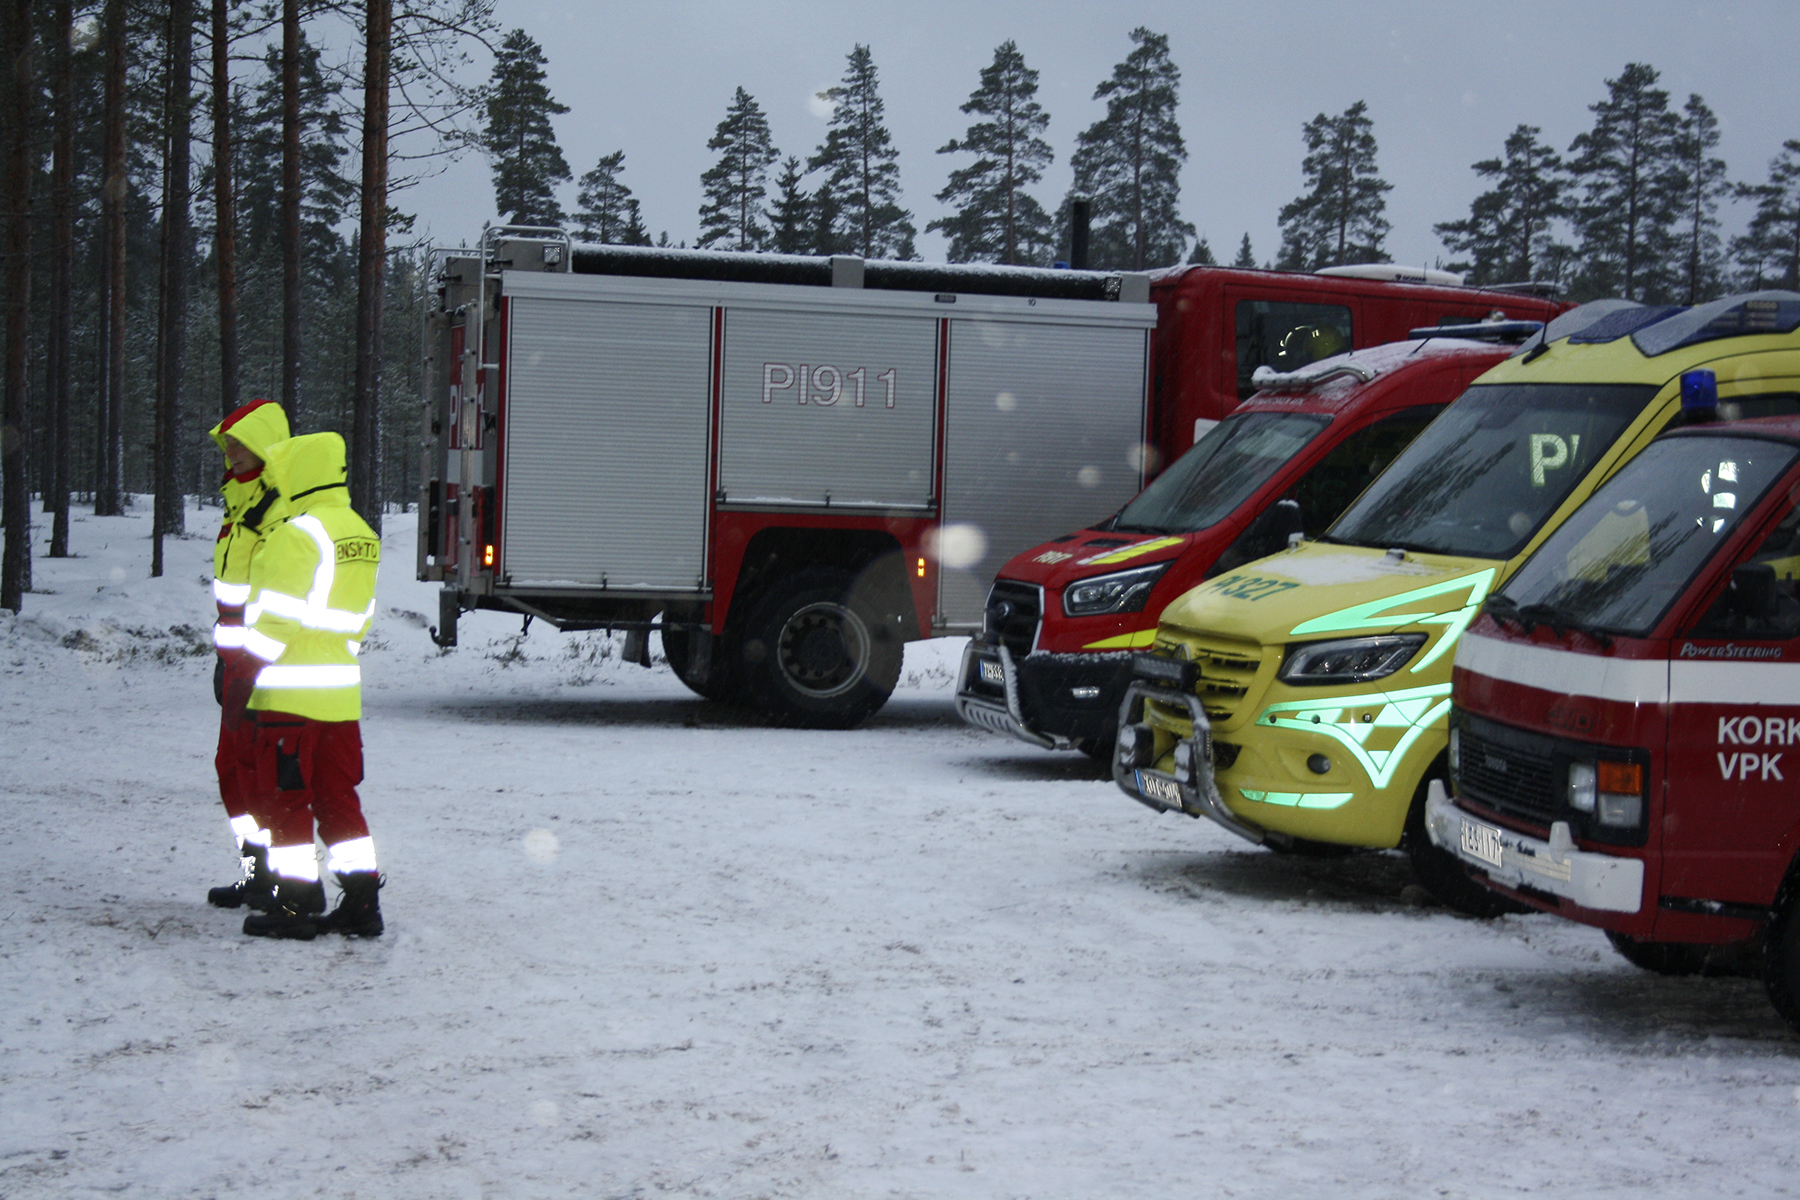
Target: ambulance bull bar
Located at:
point(1198, 794)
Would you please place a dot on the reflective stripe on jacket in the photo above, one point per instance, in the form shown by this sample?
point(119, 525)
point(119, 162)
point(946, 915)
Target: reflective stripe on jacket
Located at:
point(312, 588)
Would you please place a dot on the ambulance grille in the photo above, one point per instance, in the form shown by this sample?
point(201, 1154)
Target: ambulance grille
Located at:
point(1509, 771)
point(1227, 669)
point(1013, 612)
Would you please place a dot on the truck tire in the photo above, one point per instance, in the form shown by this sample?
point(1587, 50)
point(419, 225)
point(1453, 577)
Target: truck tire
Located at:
point(814, 654)
point(1442, 874)
point(1781, 956)
point(1664, 958)
point(678, 649)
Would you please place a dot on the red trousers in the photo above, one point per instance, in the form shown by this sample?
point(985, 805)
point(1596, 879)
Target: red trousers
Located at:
point(236, 757)
point(308, 771)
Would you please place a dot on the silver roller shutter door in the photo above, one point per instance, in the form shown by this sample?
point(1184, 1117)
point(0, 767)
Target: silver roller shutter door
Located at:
point(784, 440)
point(607, 412)
point(1045, 427)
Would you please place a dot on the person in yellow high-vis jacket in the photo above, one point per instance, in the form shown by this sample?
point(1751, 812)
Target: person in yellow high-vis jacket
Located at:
point(252, 506)
point(312, 598)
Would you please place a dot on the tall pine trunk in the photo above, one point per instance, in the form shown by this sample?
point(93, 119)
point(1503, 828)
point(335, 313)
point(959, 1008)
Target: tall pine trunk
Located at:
point(225, 210)
point(109, 500)
point(290, 211)
point(57, 357)
point(371, 270)
point(171, 355)
point(16, 84)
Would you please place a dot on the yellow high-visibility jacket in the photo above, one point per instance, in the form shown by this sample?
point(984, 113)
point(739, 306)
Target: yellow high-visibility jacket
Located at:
point(312, 587)
point(252, 507)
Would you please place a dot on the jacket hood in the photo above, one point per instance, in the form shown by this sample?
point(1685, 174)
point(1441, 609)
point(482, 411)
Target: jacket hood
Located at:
point(258, 424)
point(309, 470)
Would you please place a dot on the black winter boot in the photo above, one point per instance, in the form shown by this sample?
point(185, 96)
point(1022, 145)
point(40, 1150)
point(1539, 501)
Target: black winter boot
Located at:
point(295, 912)
point(358, 913)
point(256, 888)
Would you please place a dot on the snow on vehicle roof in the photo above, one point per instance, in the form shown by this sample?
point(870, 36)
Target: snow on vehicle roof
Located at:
point(1335, 384)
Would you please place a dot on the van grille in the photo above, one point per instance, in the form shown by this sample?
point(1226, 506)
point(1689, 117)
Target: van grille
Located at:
point(1509, 771)
point(1013, 612)
point(1227, 669)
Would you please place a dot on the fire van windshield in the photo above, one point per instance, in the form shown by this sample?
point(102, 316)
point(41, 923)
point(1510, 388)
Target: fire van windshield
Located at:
point(1483, 477)
point(1206, 484)
point(1624, 556)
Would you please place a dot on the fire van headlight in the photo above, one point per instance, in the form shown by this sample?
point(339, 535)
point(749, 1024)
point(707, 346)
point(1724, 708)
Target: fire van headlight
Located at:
point(1126, 591)
point(1610, 790)
point(1350, 660)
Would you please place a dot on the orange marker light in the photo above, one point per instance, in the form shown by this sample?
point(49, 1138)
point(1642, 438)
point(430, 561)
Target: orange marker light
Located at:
point(921, 568)
point(487, 555)
point(1625, 777)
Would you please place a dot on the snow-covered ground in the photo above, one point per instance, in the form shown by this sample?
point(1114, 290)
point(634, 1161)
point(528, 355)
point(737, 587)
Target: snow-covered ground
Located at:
point(639, 946)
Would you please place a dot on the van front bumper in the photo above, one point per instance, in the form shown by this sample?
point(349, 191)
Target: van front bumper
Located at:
point(1603, 882)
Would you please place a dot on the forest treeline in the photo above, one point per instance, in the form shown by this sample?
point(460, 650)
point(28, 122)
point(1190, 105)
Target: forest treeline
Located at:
point(204, 202)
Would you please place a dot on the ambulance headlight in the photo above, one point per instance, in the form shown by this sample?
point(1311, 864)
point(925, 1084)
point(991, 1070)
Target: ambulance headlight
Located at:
point(1122, 592)
point(1350, 660)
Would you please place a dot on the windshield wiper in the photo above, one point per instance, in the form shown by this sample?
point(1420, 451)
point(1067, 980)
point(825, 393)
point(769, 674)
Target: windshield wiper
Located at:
point(1115, 527)
point(1559, 621)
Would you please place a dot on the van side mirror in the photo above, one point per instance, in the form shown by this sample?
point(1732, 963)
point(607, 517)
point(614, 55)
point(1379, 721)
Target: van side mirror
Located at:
point(1279, 522)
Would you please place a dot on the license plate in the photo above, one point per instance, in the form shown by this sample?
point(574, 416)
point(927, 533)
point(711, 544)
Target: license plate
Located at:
point(1163, 791)
point(991, 672)
point(1481, 841)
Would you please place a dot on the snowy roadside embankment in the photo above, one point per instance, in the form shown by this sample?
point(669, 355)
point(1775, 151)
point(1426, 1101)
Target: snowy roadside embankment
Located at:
point(639, 945)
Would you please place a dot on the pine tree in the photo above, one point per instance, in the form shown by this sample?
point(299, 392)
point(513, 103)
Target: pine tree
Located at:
point(1246, 257)
point(1202, 255)
point(326, 192)
point(1507, 232)
point(1130, 160)
point(636, 232)
point(736, 187)
point(994, 217)
point(1629, 208)
point(607, 207)
point(788, 219)
point(522, 151)
point(861, 211)
point(1339, 219)
point(1702, 182)
point(1768, 251)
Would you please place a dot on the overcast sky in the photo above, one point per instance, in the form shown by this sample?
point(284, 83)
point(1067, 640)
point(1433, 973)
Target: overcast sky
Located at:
point(1445, 83)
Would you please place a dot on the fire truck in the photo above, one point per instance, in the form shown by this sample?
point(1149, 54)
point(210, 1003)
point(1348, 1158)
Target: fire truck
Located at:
point(1625, 741)
point(1052, 662)
point(1302, 700)
point(788, 467)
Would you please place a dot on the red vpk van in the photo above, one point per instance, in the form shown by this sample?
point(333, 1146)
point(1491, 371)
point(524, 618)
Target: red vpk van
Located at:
point(1052, 661)
point(1625, 742)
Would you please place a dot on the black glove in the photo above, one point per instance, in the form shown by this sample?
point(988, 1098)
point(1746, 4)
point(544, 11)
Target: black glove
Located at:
point(219, 681)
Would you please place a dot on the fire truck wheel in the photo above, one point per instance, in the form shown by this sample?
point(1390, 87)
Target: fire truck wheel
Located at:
point(816, 655)
point(1781, 956)
point(1665, 958)
point(1442, 874)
